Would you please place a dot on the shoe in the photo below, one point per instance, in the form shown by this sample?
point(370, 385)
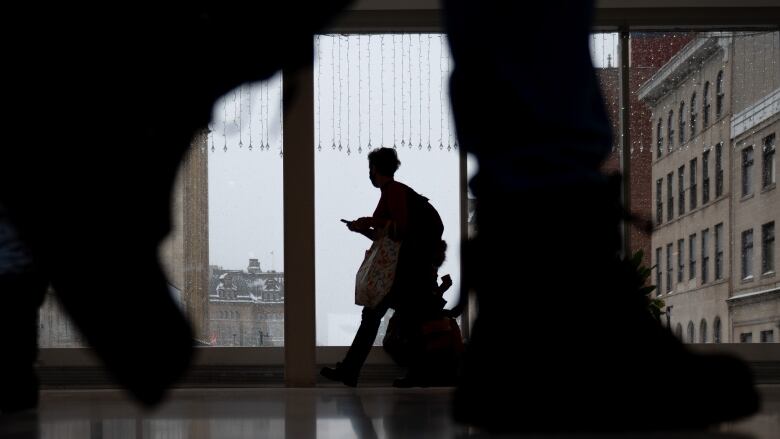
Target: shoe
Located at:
point(340, 375)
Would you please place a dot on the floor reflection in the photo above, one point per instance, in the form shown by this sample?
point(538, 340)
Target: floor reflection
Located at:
point(297, 413)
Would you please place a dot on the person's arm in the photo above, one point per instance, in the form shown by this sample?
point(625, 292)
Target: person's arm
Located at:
point(364, 226)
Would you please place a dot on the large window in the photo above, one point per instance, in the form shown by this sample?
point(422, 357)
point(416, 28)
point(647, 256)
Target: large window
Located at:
point(747, 171)
point(719, 251)
point(768, 171)
point(246, 288)
point(693, 192)
point(747, 254)
point(371, 91)
point(768, 248)
point(705, 177)
point(692, 249)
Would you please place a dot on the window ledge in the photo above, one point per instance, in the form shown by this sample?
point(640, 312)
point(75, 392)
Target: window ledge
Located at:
point(768, 188)
point(746, 280)
point(768, 274)
point(747, 197)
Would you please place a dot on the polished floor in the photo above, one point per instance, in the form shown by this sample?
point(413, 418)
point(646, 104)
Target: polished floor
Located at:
point(328, 412)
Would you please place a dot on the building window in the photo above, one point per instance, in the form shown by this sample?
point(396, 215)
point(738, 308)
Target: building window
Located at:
point(680, 260)
point(768, 248)
point(746, 337)
point(681, 190)
point(658, 271)
point(659, 204)
point(705, 177)
point(693, 115)
point(719, 169)
point(705, 256)
point(669, 197)
point(692, 257)
point(747, 171)
point(716, 330)
point(706, 106)
point(719, 95)
point(693, 190)
point(670, 130)
point(747, 254)
point(669, 268)
point(703, 331)
point(682, 123)
point(659, 139)
point(691, 333)
point(768, 171)
point(719, 251)
point(768, 336)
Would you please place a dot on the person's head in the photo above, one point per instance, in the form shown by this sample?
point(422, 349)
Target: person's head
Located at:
point(382, 162)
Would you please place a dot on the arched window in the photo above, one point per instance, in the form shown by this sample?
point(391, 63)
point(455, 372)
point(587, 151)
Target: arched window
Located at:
point(659, 138)
point(670, 130)
point(693, 115)
point(716, 331)
point(706, 106)
point(682, 123)
point(691, 333)
point(703, 331)
point(719, 96)
point(678, 331)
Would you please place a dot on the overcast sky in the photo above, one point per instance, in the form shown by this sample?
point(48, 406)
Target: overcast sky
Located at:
point(386, 90)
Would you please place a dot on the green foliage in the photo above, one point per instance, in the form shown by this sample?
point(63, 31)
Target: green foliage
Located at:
point(640, 274)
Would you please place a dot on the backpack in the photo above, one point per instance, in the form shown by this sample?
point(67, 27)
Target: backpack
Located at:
point(425, 220)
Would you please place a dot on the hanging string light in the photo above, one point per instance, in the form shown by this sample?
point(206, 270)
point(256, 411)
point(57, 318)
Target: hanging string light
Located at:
point(250, 118)
point(403, 96)
point(319, 87)
point(262, 110)
point(394, 81)
point(360, 100)
point(267, 117)
point(409, 68)
point(211, 135)
point(240, 121)
point(441, 92)
point(333, 93)
point(369, 92)
point(447, 102)
point(338, 38)
point(428, 109)
point(349, 93)
point(281, 116)
point(224, 123)
point(382, 89)
point(419, 85)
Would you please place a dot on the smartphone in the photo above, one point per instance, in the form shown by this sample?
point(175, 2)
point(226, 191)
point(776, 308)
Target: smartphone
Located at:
point(344, 221)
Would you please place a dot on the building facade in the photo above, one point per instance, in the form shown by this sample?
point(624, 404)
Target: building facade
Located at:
point(714, 123)
point(246, 308)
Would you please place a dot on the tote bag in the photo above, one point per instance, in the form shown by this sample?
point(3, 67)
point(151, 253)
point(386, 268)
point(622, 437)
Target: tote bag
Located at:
point(377, 272)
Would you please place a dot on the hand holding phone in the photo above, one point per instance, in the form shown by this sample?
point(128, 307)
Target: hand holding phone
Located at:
point(344, 221)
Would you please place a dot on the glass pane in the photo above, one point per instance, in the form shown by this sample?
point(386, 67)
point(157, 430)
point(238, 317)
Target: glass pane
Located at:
point(721, 150)
point(224, 255)
point(372, 91)
point(245, 207)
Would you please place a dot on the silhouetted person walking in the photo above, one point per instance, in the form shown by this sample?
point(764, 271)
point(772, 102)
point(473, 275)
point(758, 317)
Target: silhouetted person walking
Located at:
point(563, 343)
point(105, 103)
point(399, 207)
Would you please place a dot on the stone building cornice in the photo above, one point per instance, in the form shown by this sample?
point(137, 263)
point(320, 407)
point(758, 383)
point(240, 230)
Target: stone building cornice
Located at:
point(755, 114)
point(681, 65)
